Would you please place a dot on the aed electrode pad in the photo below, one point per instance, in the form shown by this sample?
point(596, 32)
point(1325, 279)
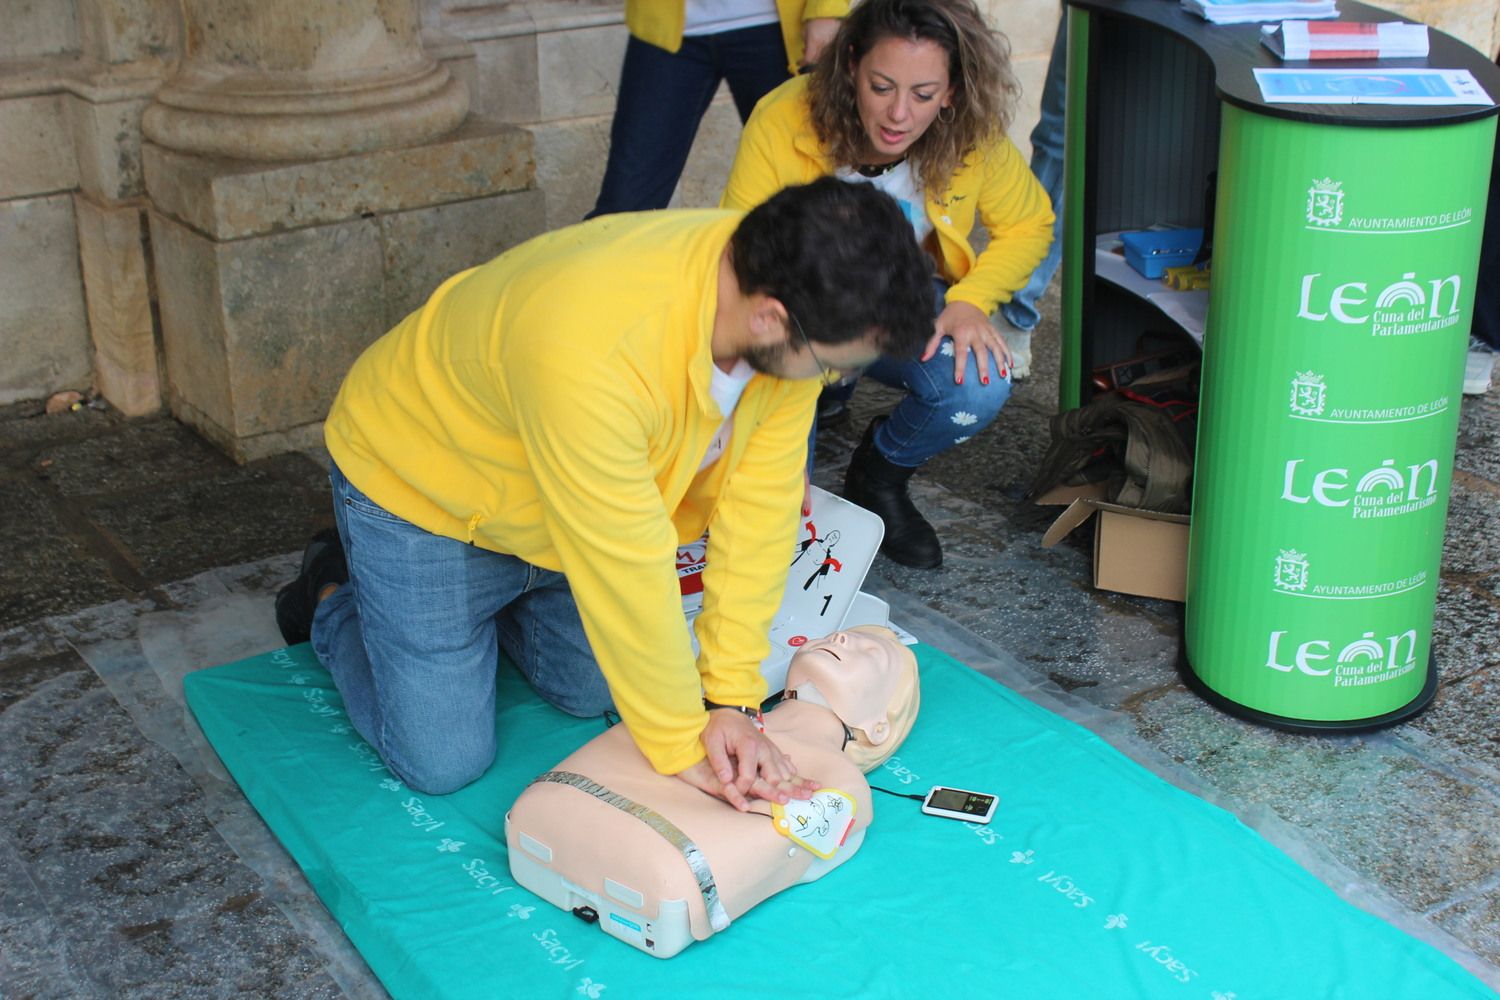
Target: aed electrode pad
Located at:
point(819, 824)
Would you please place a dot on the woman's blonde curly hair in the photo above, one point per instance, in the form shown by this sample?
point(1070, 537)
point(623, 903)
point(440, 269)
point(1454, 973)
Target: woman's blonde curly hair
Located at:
point(985, 90)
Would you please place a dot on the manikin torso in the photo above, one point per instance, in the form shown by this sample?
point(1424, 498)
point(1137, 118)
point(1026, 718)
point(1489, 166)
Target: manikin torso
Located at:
point(604, 831)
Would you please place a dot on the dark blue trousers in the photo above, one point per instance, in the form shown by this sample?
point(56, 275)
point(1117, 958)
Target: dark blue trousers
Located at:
point(1487, 292)
point(663, 96)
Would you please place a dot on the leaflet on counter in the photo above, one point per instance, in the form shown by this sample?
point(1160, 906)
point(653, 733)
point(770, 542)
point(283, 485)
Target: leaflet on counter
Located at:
point(1386, 86)
point(1245, 11)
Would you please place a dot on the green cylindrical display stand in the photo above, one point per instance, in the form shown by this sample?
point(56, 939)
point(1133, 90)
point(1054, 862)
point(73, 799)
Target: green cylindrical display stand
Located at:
point(1344, 265)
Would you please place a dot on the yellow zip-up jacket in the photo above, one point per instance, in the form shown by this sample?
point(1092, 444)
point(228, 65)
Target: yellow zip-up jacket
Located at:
point(554, 404)
point(779, 147)
point(660, 22)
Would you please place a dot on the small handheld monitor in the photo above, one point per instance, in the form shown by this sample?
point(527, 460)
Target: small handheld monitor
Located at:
point(959, 803)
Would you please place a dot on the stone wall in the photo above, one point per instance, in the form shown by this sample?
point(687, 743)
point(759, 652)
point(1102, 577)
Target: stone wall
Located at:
point(73, 81)
point(221, 227)
point(161, 274)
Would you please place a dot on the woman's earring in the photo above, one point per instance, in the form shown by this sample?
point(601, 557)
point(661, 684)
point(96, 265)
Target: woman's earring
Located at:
point(952, 114)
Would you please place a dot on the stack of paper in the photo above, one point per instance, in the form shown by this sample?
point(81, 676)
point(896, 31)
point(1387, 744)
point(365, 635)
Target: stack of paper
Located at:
point(1345, 40)
point(1242, 11)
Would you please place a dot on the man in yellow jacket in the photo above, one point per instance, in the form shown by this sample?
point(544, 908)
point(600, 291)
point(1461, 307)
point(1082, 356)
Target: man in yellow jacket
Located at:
point(516, 463)
point(676, 56)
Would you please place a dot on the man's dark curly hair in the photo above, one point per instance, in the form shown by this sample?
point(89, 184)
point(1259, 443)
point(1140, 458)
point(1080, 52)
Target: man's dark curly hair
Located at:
point(843, 260)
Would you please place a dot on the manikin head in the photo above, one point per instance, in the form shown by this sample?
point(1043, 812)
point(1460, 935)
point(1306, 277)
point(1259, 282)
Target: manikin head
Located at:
point(868, 678)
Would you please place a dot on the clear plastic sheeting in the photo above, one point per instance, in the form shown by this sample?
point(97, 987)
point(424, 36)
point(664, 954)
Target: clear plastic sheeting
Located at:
point(143, 655)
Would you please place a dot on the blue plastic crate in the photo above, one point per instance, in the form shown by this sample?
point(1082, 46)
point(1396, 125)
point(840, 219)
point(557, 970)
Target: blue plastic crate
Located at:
point(1152, 251)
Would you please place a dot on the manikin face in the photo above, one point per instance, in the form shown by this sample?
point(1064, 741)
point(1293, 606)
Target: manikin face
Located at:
point(855, 672)
point(853, 652)
point(900, 86)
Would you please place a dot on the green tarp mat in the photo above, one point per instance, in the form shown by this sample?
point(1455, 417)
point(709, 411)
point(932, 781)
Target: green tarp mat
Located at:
point(1094, 879)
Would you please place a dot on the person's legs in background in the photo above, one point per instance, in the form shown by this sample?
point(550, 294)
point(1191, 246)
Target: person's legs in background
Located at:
point(411, 643)
point(753, 63)
point(1020, 312)
point(662, 98)
point(1484, 333)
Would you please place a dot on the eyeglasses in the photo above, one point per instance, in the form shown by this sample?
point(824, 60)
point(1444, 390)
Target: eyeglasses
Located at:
point(828, 376)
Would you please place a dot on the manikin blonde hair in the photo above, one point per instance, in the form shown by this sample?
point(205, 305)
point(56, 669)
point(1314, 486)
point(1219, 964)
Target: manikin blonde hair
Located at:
point(879, 726)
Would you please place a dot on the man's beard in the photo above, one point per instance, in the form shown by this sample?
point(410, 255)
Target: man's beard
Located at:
point(767, 359)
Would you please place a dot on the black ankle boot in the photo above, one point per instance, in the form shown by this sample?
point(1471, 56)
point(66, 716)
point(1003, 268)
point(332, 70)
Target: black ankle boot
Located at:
point(880, 487)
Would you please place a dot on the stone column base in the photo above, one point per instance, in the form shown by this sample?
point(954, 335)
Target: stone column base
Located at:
point(273, 277)
point(116, 290)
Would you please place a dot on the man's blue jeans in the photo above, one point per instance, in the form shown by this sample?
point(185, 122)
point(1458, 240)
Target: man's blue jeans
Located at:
point(663, 96)
point(1047, 164)
point(412, 642)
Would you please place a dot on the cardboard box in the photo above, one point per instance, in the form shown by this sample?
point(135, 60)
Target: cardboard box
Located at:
point(1135, 551)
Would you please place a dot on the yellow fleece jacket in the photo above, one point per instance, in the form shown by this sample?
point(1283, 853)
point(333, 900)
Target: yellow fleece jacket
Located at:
point(554, 404)
point(779, 147)
point(660, 22)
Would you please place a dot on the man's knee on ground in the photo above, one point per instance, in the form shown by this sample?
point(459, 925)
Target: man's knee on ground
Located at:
point(439, 776)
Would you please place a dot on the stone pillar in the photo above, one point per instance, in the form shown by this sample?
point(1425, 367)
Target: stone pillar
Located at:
point(294, 79)
point(312, 178)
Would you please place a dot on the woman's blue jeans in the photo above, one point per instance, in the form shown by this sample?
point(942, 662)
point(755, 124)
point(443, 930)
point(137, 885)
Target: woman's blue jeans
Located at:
point(413, 640)
point(936, 412)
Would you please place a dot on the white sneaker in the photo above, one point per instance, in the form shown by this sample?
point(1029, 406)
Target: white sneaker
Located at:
point(1019, 342)
point(1478, 368)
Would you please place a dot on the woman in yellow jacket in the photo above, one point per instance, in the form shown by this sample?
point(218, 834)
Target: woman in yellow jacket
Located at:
point(913, 97)
point(678, 53)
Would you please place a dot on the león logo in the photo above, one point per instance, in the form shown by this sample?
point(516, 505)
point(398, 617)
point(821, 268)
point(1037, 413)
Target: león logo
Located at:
point(1384, 491)
point(1309, 394)
point(1325, 202)
point(1361, 661)
point(1292, 577)
point(1328, 211)
point(1291, 570)
point(1402, 307)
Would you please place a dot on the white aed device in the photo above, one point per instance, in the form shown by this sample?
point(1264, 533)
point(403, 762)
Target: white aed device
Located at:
point(960, 803)
point(835, 548)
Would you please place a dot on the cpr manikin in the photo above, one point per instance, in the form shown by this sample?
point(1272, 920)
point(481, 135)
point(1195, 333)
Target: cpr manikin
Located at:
point(661, 864)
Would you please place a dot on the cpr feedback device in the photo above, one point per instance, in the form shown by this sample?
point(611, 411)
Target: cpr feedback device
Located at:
point(959, 803)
